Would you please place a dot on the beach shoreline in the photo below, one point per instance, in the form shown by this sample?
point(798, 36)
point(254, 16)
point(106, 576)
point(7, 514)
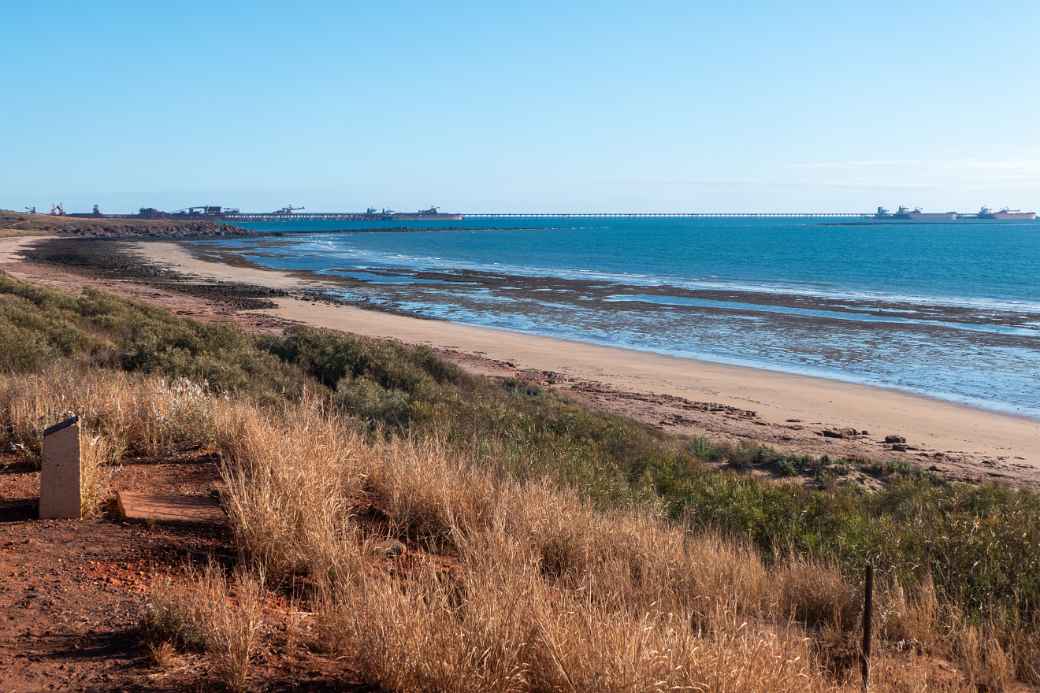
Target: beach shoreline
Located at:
point(775, 396)
point(974, 346)
point(799, 413)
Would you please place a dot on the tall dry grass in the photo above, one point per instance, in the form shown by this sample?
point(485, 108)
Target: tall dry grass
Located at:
point(541, 590)
point(292, 483)
point(506, 585)
point(498, 624)
point(145, 416)
point(121, 414)
point(209, 612)
point(513, 585)
point(97, 459)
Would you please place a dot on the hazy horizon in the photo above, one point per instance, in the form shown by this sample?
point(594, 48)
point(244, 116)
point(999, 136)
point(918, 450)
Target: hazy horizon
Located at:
point(600, 107)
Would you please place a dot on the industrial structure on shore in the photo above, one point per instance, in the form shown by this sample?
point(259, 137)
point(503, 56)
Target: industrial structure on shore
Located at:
point(290, 212)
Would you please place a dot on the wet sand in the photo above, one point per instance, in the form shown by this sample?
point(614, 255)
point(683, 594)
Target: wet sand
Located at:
point(11, 247)
point(938, 427)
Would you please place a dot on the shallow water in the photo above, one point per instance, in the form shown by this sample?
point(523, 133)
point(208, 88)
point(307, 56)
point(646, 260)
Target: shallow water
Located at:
point(950, 310)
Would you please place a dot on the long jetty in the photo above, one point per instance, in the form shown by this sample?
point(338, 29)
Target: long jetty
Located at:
point(356, 216)
point(642, 215)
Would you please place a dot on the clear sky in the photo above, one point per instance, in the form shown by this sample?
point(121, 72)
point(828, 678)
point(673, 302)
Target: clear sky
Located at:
point(606, 105)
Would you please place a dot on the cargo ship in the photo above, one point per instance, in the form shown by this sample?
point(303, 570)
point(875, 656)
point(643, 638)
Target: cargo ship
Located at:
point(1006, 215)
point(431, 214)
point(907, 214)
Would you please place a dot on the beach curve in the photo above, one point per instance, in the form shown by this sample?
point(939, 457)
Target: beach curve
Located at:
point(778, 398)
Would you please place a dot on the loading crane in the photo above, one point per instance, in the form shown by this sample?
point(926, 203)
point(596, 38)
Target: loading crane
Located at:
point(288, 209)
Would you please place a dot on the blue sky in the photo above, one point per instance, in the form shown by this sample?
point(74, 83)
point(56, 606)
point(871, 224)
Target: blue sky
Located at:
point(539, 106)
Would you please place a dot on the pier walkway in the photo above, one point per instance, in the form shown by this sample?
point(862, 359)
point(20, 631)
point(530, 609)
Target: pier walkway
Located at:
point(356, 216)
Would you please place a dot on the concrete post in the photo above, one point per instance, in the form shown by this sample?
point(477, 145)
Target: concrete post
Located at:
point(60, 474)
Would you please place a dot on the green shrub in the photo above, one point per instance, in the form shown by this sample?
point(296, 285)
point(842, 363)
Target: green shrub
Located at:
point(371, 402)
point(22, 350)
point(38, 325)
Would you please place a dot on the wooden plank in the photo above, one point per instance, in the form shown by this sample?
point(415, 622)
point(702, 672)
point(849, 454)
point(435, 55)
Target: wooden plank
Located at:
point(167, 508)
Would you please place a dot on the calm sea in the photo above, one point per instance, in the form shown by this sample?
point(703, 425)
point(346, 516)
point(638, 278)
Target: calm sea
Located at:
point(950, 310)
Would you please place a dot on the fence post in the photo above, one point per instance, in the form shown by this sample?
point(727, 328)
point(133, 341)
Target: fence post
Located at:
point(868, 613)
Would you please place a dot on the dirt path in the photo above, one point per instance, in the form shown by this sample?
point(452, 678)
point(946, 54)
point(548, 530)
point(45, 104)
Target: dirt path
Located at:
point(72, 592)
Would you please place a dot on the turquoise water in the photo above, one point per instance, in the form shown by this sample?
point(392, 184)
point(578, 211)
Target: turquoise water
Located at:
point(946, 309)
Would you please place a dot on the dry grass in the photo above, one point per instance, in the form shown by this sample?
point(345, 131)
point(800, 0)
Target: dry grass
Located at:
point(96, 459)
point(817, 595)
point(499, 625)
point(292, 484)
point(538, 576)
point(505, 585)
point(523, 586)
point(137, 415)
point(121, 414)
point(163, 654)
point(234, 629)
point(208, 612)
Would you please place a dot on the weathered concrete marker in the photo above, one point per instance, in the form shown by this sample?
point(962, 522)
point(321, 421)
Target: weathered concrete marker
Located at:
point(60, 474)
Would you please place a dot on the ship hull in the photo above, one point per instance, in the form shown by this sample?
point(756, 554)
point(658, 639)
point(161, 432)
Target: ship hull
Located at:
point(927, 216)
point(1013, 216)
point(427, 217)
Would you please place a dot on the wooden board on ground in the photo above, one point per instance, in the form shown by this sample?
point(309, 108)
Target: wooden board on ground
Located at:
point(170, 508)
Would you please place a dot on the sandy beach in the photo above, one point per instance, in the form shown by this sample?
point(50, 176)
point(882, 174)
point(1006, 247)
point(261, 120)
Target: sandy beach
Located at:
point(683, 395)
point(777, 398)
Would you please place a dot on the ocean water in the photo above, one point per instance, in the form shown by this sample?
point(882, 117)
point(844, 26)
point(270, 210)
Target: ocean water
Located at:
point(950, 310)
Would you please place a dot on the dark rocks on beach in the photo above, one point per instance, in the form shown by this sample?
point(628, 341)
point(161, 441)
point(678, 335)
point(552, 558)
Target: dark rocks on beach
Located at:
point(840, 433)
point(895, 440)
point(196, 229)
point(113, 258)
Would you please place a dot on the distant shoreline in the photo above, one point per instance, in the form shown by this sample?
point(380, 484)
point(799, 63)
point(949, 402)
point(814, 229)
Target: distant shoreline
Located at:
point(777, 396)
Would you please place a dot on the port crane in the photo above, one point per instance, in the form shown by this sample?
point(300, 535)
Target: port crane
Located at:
point(288, 209)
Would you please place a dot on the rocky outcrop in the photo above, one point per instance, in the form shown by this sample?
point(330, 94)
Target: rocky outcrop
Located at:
point(185, 229)
point(118, 227)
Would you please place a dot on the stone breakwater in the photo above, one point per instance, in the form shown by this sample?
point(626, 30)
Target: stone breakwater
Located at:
point(119, 227)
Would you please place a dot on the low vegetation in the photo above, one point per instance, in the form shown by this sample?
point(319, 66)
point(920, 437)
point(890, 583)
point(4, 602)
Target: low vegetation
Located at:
point(452, 532)
point(110, 227)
